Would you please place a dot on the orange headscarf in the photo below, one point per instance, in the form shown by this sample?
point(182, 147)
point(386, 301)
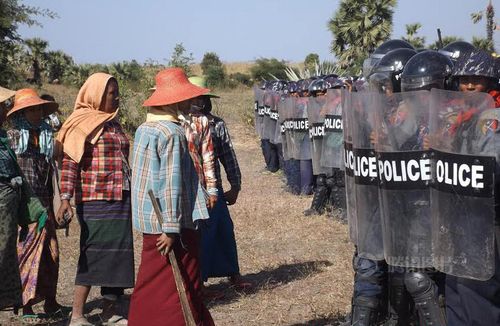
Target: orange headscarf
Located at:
point(86, 123)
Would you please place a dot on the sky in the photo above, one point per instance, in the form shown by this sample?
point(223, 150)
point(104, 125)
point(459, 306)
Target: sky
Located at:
point(105, 31)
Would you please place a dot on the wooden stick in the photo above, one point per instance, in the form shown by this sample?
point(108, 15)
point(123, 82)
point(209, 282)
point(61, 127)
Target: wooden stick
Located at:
point(179, 283)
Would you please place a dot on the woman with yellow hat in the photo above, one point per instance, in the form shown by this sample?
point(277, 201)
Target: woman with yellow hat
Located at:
point(10, 282)
point(32, 140)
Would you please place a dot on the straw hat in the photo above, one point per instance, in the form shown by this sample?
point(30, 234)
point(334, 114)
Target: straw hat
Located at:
point(172, 86)
point(27, 97)
point(201, 82)
point(5, 94)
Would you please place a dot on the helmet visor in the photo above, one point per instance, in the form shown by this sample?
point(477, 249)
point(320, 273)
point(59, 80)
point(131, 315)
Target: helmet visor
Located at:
point(421, 83)
point(381, 82)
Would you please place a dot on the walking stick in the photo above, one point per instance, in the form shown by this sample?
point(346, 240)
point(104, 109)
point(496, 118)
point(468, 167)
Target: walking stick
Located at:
point(179, 283)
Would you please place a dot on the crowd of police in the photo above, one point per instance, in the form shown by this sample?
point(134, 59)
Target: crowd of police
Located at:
point(409, 156)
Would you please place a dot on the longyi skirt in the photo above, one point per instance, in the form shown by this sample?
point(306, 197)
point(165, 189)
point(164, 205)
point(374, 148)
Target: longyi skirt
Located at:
point(106, 244)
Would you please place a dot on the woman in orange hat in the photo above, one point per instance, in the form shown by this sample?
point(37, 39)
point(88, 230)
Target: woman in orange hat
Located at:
point(95, 172)
point(162, 163)
point(10, 282)
point(32, 140)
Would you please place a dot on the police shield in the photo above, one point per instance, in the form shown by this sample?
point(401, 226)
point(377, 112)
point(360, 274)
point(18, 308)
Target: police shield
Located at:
point(288, 113)
point(349, 165)
point(404, 169)
point(333, 143)
point(315, 108)
point(275, 115)
point(267, 123)
point(363, 107)
point(258, 109)
point(463, 136)
point(301, 129)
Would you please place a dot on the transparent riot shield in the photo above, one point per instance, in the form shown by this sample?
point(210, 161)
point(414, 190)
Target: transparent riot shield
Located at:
point(349, 162)
point(278, 132)
point(288, 118)
point(273, 117)
point(267, 130)
point(301, 130)
point(404, 168)
point(462, 137)
point(258, 110)
point(316, 131)
point(333, 143)
point(369, 238)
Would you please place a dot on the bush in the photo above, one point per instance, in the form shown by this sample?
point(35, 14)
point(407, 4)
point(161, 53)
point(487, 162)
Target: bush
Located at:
point(215, 76)
point(265, 69)
point(241, 78)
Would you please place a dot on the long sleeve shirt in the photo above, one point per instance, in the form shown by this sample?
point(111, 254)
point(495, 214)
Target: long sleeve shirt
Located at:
point(8, 165)
point(224, 153)
point(162, 163)
point(102, 171)
point(201, 148)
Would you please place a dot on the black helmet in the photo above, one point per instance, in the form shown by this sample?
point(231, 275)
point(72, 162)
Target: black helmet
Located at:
point(455, 50)
point(333, 81)
point(278, 85)
point(476, 63)
point(381, 51)
point(387, 72)
point(292, 87)
point(303, 86)
point(426, 70)
point(317, 86)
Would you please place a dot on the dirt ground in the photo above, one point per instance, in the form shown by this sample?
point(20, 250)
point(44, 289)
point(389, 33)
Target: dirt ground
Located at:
point(301, 266)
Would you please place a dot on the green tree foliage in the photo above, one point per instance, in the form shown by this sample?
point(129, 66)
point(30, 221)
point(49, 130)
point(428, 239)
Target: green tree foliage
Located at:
point(241, 78)
point(358, 27)
point(12, 14)
point(180, 59)
point(36, 55)
point(311, 61)
point(446, 40)
point(482, 43)
point(265, 69)
point(411, 37)
point(57, 63)
point(213, 69)
point(486, 44)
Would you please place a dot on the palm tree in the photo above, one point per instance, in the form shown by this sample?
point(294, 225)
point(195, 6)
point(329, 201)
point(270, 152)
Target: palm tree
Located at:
point(487, 43)
point(36, 56)
point(418, 42)
point(58, 64)
point(358, 27)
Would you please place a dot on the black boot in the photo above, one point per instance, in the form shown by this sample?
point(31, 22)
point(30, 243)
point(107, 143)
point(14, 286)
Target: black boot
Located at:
point(399, 301)
point(365, 311)
point(320, 197)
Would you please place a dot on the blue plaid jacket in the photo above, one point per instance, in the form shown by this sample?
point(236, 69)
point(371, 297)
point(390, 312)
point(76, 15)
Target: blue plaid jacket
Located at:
point(161, 162)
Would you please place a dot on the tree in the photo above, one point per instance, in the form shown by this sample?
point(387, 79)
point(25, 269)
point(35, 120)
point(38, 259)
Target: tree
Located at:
point(57, 64)
point(418, 42)
point(37, 56)
point(482, 43)
point(311, 61)
point(213, 69)
point(265, 69)
point(486, 44)
point(13, 14)
point(358, 27)
point(445, 40)
point(180, 59)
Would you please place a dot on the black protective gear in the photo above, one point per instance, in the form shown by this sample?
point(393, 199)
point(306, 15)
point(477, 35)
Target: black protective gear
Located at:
point(291, 88)
point(457, 49)
point(380, 52)
point(318, 86)
point(476, 63)
point(319, 198)
point(387, 72)
point(400, 303)
point(365, 311)
point(426, 70)
point(425, 295)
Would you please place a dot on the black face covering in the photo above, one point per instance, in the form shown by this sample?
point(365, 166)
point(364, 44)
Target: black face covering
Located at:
point(207, 105)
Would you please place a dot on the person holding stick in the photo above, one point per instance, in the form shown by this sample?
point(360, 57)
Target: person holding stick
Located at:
point(162, 163)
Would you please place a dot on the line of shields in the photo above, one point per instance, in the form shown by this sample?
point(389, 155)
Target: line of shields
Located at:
point(420, 179)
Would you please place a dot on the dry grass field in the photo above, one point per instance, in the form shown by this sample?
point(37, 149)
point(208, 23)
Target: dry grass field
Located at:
point(301, 266)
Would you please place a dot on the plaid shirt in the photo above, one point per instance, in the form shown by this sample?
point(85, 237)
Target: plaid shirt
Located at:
point(201, 149)
point(36, 167)
point(101, 173)
point(163, 164)
point(224, 153)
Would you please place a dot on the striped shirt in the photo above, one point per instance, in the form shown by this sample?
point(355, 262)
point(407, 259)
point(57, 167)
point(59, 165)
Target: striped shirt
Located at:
point(162, 162)
point(224, 153)
point(201, 148)
point(103, 169)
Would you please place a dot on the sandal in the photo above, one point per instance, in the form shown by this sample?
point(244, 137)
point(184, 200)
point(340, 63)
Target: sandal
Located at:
point(116, 320)
point(32, 319)
point(80, 321)
point(240, 283)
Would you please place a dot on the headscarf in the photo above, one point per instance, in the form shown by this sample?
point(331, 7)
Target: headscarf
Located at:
point(86, 123)
point(45, 135)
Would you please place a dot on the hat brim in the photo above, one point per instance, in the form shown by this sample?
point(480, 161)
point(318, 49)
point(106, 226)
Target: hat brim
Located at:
point(171, 95)
point(5, 94)
point(48, 106)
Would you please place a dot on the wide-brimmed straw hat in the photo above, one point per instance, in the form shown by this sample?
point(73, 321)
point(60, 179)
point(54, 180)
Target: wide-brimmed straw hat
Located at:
point(172, 86)
point(28, 97)
point(201, 82)
point(5, 94)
